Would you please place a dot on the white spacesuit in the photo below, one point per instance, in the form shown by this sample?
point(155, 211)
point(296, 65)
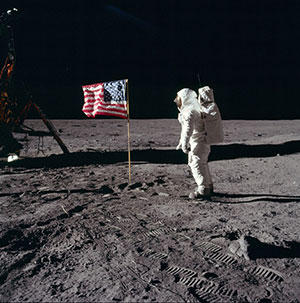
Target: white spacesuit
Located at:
point(193, 141)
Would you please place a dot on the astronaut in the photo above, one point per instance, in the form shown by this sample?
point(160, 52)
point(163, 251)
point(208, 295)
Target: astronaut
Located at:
point(193, 142)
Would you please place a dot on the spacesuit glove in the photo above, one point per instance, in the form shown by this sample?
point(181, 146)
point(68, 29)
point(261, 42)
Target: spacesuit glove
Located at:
point(185, 149)
point(178, 146)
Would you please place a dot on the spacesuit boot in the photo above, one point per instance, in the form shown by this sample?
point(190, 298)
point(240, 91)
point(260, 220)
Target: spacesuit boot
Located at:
point(204, 194)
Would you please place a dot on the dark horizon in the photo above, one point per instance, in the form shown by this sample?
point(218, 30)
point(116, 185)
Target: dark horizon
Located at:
point(246, 51)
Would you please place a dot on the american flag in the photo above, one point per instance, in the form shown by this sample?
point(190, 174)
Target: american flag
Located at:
point(106, 98)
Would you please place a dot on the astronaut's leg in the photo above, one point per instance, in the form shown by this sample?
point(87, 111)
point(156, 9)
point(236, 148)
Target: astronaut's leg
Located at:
point(200, 170)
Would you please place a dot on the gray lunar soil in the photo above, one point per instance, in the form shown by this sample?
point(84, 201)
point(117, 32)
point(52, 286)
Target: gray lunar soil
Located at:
point(73, 229)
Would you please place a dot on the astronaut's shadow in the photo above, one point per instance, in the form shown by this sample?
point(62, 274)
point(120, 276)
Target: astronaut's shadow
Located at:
point(235, 151)
point(225, 198)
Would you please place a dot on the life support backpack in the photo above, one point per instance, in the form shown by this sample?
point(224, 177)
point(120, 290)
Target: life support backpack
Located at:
point(211, 116)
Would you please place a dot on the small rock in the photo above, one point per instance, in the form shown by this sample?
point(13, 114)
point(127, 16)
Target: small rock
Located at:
point(240, 248)
point(163, 194)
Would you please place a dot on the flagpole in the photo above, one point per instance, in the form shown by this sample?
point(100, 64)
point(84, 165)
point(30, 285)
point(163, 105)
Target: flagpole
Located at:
point(128, 127)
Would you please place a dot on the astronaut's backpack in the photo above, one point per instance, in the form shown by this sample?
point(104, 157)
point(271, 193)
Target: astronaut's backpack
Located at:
point(211, 116)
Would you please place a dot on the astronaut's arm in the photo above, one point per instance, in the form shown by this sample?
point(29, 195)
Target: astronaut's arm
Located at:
point(187, 127)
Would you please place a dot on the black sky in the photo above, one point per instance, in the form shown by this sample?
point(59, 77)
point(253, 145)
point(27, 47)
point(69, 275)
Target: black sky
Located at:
point(248, 51)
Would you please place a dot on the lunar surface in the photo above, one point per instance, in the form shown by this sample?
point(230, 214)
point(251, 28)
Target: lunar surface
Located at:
point(74, 229)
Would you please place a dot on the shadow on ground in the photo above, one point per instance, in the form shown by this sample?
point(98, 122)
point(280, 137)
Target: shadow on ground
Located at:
point(219, 197)
point(219, 152)
point(258, 249)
